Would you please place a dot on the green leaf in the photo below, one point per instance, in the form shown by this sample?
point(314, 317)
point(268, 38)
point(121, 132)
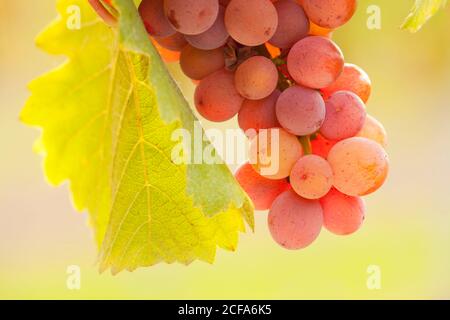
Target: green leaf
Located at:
point(422, 11)
point(107, 116)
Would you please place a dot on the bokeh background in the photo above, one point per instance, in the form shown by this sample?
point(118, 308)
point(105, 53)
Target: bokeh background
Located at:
point(407, 230)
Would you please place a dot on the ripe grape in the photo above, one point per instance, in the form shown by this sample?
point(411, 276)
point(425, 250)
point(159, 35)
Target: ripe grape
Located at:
point(214, 37)
point(315, 62)
point(191, 16)
point(262, 191)
point(342, 214)
point(216, 97)
point(197, 64)
point(311, 177)
point(360, 166)
point(321, 146)
point(329, 13)
point(259, 114)
point(251, 22)
point(295, 222)
point(273, 153)
point(301, 111)
point(374, 130)
point(154, 18)
point(175, 42)
point(256, 78)
point(293, 25)
point(345, 117)
point(353, 79)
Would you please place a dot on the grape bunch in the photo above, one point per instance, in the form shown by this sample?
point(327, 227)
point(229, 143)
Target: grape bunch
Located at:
point(274, 66)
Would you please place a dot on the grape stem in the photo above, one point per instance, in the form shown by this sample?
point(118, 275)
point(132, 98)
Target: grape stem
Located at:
point(306, 144)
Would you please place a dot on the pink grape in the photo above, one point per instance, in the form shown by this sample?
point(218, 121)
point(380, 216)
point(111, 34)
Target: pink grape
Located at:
point(251, 22)
point(175, 42)
point(374, 130)
point(197, 64)
point(262, 191)
point(311, 177)
point(345, 116)
point(295, 222)
point(273, 153)
point(360, 166)
point(155, 21)
point(214, 37)
point(293, 24)
point(315, 62)
point(256, 78)
point(342, 214)
point(191, 16)
point(353, 79)
point(321, 146)
point(216, 97)
point(329, 14)
point(259, 114)
point(301, 111)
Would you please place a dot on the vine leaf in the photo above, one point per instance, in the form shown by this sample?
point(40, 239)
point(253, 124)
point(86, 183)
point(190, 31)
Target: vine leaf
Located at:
point(107, 116)
point(421, 12)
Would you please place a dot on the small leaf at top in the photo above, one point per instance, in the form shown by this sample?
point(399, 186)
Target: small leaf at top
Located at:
point(422, 11)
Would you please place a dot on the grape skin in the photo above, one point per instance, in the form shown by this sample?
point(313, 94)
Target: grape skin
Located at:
point(374, 130)
point(345, 116)
point(342, 214)
point(197, 64)
point(251, 22)
point(155, 21)
point(256, 78)
point(175, 42)
point(301, 111)
point(262, 191)
point(294, 222)
point(360, 166)
point(311, 177)
point(216, 97)
point(330, 14)
point(321, 146)
point(315, 62)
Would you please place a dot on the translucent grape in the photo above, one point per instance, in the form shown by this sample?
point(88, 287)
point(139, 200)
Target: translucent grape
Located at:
point(154, 18)
point(321, 146)
point(256, 78)
point(374, 130)
point(175, 42)
point(345, 117)
point(360, 166)
point(353, 79)
point(262, 191)
point(251, 22)
point(295, 222)
point(315, 62)
point(311, 177)
point(293, 25)
point(273, 153)
point(315, 30)
point(342, 214)
point(301, 111)
point(197, 64)
point(259, 114)
point(191, 16)
point(216, 97)
point(329, 14)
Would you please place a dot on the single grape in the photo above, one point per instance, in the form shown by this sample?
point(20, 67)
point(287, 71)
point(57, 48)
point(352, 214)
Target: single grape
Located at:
point(353, 79)
point(301, 111)
point(191, 16)
point(342, 214)
point(311, 177)
point(374, 130)
point(214, 37)
point(251, 22)
point(175, 42)
point(315, 62)
point(360, 166)
point(273, 153)
point(154, 18)
point(330, 14)
point(345, 117)
point(262, 191)
point(259, 114)
point(293, 24)
point(216, 97)
point(197, 64)
point(321, 146)
point(295, 222)
point(256, 78)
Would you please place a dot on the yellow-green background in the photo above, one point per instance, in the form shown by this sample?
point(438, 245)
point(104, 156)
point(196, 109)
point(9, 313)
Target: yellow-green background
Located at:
point(407, 230)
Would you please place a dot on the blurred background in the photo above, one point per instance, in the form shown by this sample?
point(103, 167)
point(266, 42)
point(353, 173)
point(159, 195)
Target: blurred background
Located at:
point(406, 234)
